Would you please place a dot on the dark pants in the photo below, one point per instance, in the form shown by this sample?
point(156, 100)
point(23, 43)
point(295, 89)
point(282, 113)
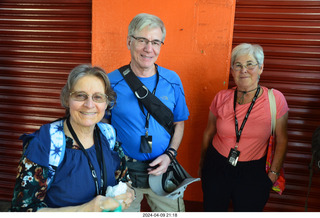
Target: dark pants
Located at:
point(247, 185)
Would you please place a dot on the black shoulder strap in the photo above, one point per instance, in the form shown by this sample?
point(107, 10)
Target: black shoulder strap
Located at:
point(161, 113)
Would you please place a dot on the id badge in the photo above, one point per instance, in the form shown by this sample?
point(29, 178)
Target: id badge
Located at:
point(233, 156)
point(146, 144)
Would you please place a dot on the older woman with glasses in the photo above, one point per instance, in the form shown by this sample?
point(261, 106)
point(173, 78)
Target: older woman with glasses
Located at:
point(68, 164)
point(235, 141)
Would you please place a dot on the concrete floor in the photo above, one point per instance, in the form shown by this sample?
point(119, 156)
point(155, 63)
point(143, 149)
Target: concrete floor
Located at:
point(4, 206)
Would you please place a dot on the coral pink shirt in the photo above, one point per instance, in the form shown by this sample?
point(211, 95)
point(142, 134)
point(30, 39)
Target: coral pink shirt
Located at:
point(256, 132)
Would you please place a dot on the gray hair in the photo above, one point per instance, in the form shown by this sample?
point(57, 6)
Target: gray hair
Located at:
point(79, 72)
point(142, 20)
point(248, 49)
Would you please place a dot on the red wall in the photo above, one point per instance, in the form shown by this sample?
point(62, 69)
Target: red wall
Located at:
point(197, 47)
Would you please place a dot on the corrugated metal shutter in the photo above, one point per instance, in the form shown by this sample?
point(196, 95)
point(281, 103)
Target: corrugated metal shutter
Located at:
point(289, 32)
point(40, 42)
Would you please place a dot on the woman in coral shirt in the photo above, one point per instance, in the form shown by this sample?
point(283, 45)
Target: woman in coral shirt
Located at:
point(235, 141)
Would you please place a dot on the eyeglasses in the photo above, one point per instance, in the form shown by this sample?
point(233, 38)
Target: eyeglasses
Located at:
point(82, 96)
point(249, 66)
point(144, 42)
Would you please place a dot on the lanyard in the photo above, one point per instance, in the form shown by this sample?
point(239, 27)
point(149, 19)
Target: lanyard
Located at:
point(238, 132)
point(140, 104)
point(100, 159)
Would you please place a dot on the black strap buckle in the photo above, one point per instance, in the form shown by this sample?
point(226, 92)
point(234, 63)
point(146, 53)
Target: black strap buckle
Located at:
point(141, 88)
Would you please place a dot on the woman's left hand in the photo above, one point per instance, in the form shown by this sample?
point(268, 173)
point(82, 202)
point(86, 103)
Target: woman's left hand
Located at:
point(126, 198)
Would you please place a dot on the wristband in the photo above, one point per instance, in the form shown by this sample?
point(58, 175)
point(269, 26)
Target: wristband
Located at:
point(173, 150)
point(273, 172)
point(118, 209)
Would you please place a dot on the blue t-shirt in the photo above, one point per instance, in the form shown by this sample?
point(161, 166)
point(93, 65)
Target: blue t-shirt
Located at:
point(129, 121)
point(73, 183)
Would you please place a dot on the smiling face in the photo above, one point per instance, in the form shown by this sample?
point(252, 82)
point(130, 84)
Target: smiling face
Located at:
point(85, 114)
point(246, 79)
point(144, 57)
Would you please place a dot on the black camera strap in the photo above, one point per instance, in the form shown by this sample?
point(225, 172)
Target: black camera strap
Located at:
point(161, 113)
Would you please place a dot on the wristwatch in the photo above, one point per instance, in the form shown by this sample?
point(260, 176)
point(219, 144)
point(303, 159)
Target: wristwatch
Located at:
point(273, 172)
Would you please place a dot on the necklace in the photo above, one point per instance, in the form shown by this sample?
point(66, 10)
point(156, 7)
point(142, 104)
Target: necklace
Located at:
point(241, 100)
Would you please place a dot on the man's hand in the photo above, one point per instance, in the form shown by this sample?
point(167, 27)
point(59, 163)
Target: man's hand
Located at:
point(159, 165)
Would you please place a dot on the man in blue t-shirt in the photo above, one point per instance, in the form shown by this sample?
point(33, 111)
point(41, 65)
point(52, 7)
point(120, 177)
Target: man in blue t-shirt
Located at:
point(145, 38)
